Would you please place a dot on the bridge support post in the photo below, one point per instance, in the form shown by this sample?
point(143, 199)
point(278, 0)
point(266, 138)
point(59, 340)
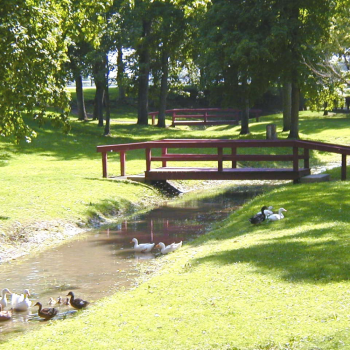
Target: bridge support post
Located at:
point(296, 163)
point(122, 163)
point(343, 167)
point(148, 159)
point(220, 158)
point(234, 153)
point(104, 164)
point(164, 152)
point(306, 158)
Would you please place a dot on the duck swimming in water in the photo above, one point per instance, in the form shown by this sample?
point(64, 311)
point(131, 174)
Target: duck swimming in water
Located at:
point(46, 313)
point(169, 248)
point(21, 302)
point(3, 300)
point(143, 247)
point(64, 301)
point(77, 303)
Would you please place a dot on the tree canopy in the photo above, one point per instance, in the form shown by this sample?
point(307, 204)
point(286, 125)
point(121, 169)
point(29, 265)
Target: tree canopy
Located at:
point(237, 48)
point(32, 75)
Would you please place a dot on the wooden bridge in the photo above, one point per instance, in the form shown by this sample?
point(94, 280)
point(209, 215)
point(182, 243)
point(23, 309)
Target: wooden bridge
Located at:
point(218, 151)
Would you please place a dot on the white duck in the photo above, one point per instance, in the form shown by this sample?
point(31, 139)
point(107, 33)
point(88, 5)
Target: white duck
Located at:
point(169, 248)
point(21, 302)
point(143, 247)
point(267, 211)
point(3, 301)
point(275, 217)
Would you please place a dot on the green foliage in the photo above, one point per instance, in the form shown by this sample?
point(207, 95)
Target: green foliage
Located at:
point(260, 42)
point(32, 75)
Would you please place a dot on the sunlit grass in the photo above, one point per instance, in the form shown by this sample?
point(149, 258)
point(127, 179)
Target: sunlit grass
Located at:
point(280, 285)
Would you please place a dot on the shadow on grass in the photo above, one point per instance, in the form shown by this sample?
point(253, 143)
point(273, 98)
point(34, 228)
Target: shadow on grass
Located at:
point(109, 208)
point(305, 257)
point(5, 157)
point(81, 142)
point(83, 138)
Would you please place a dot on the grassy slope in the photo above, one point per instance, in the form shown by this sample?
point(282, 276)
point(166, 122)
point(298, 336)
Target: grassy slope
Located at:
point(281, 285)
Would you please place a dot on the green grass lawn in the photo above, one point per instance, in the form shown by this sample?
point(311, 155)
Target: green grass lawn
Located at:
point(279, 285)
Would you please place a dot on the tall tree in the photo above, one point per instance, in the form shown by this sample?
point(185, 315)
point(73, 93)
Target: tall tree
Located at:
point(173, 35)
point(143, 50)
point(84, 25)
point(169, 34)
point(287, 105)
point(235, 57)
point(261, 41)
point(301, 28)
point(78, 65)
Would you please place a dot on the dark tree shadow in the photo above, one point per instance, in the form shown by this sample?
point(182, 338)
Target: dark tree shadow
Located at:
point(317, 260)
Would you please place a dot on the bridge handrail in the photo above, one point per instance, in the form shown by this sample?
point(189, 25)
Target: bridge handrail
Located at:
point(204, 113)
point(220, 144)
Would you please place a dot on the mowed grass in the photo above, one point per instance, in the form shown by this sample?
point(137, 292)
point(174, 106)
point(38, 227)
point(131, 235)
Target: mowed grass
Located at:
point(280, 285)
point(59, 176)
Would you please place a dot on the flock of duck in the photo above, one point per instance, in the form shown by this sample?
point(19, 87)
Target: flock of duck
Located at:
point(147, 247)
point(21, 302)
point(266, 213)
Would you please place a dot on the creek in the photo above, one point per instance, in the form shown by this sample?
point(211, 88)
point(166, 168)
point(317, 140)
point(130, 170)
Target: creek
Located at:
point(102, 262)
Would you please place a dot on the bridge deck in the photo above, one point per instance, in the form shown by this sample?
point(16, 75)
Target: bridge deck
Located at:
point(195, 173)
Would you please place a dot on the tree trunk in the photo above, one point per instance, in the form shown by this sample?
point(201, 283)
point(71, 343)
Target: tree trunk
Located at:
point(108, 111)
point(163, 88)
point(245, 111)
point(144, 68)
point(325, 111)
point(99, 77)
point(120, 74)
point(98, 107)
point(287, 105)
point(106, 98)
point(80, 97)
point(294, 74)
point(294, 127)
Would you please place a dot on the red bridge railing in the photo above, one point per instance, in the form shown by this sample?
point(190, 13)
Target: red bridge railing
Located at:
point(223, 150)
point(206, 116)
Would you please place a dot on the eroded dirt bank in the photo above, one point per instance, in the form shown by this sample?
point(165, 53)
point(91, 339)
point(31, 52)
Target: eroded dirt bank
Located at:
point(25, 239)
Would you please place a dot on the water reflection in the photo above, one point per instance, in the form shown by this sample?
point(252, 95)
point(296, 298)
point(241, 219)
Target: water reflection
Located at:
point(102, 262)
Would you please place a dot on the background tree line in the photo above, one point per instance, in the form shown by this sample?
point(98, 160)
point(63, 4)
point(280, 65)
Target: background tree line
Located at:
point(231, 51)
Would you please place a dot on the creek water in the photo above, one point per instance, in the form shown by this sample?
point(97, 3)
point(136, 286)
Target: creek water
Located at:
point(101, 262)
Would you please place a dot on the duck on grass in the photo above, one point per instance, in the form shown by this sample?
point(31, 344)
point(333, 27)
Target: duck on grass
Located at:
point(266, 213)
